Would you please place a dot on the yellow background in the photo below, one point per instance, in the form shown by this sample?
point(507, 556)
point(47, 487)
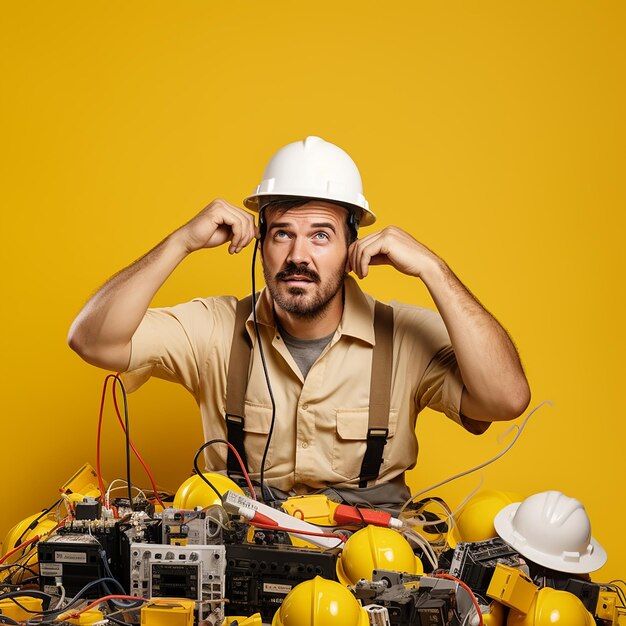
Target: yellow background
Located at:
point(492, 131)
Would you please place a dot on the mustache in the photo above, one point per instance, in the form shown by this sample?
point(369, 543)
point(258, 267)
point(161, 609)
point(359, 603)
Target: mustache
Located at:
point(293, 269)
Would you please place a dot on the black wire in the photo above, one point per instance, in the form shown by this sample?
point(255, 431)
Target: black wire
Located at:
point(201, 474)
point(34, 523)
point(119, 621)
point(267, 378)
point(19, 566)
point(118, 380)
point(5, 619)
point(616, 589)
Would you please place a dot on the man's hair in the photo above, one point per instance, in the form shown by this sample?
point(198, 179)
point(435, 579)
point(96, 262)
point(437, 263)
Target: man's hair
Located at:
point(281, 206)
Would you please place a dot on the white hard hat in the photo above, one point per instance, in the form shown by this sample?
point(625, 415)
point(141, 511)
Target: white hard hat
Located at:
point(551, 530)
point(316, 169)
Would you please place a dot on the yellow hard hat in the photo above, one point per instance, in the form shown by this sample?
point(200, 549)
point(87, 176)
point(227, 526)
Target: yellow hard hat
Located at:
point(373, 548)
point(21, 532)
point(320, 602)
point(195, 492)
point(553, 608)
point(474, 522)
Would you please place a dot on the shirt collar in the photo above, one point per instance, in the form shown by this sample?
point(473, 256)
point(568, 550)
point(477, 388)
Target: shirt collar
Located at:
point(356, 321)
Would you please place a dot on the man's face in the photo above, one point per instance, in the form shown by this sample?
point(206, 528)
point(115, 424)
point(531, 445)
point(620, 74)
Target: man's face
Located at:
point(304, 257)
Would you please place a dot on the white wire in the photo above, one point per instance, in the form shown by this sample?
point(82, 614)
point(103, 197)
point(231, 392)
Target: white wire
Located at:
point(111, 489)
point(474, 469)
point(62, 598)
point(224, 525)
point(423, 543)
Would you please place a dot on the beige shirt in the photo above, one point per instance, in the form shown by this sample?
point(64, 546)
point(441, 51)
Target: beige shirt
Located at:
point(321, 421)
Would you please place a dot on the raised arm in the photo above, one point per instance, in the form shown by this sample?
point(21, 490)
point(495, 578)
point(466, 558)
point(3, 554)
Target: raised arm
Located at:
point(101, 333)
point(495, 385)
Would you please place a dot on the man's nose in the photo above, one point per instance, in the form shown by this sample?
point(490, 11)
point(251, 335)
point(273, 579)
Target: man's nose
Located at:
point(299, 251)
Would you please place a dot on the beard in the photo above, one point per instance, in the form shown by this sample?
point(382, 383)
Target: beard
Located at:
point(305, 304)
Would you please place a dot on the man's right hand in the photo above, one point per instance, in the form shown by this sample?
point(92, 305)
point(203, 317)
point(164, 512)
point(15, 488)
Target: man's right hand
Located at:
point(102, 331)
point(216, 224)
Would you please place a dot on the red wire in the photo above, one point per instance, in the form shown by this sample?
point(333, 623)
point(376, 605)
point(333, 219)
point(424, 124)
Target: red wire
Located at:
point(20, 547)
point(29, 541)
point(243, 470)
point(117, 380)
point(466, 587)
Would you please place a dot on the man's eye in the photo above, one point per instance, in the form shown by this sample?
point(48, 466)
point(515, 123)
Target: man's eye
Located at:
point(281, 234)
point(321, 235)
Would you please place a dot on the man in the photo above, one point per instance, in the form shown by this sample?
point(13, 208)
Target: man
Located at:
point(318, 335)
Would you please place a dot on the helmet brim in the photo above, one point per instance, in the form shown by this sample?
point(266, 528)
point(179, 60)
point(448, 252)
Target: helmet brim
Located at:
point(257, 201)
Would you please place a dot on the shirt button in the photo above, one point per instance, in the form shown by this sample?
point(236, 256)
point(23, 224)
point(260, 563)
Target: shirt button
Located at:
point(305, 444)
point(305, 407)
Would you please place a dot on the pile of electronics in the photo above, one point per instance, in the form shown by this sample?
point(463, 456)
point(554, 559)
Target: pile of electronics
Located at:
point(96, 559)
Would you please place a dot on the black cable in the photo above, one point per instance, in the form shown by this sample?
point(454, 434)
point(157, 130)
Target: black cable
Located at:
point(118, 380)
point(201, 474)
point(267, 379)
point(77, 598)
point(5, 619)
point(18, 566)
point(34, 523)
point(32, 593)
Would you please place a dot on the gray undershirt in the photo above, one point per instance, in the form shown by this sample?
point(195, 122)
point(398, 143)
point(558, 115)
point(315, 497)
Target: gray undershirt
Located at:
point(305, 351)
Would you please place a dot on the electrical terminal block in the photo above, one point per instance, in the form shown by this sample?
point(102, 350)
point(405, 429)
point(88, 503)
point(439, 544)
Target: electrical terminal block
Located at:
point(512, 587)
point(378, 615)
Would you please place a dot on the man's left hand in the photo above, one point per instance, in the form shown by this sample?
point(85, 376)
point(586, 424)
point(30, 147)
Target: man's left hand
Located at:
point(390, 246)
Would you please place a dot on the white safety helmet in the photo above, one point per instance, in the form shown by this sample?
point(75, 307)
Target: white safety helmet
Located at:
point(316, 169)
point(551, 530)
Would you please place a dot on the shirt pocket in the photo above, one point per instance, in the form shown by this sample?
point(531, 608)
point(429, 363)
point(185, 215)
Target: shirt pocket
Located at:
point(256, 429)
point(351, 440)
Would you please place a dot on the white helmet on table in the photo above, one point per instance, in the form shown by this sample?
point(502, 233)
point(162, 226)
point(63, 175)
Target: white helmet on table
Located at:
point(551, 530)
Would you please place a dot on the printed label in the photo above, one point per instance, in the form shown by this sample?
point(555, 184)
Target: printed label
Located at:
point(51, 569)
point(70, 557)
point(276, 588)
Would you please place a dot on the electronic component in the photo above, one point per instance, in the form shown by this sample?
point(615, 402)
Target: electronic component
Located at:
point(419, 606)
point(168, 612)
point(193, 572)
point(241, 505)
point(74, 557)
point(586, 591)
point(88, 508)
point(606, 609)
point(378, 615)
point(512, 587)
point(258, 577)
point(385, 579)
point(183, 527)
point(97, 548)
point(474, 563)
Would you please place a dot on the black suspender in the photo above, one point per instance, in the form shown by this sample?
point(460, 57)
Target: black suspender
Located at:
point(236, 385)
point(380, 394)
point(380, 390)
